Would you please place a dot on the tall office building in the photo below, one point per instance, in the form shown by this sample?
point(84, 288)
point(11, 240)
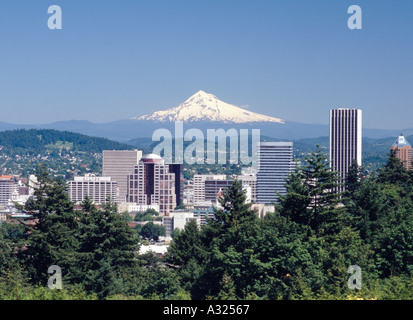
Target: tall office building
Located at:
point(97, 188)
point(176, 169)
point(403, 151)
point(199, 185)
point(8, 186)
point(118, 164)
point(213, 187)
point(152, 183)
point(275, 163)
point(345, 139)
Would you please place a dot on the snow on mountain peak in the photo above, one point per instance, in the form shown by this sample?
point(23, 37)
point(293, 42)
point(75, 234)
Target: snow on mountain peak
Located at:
point(204, 106)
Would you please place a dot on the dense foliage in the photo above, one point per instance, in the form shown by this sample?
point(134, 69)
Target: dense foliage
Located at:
point(65, 153)
point(303, 250)
point(36, 140)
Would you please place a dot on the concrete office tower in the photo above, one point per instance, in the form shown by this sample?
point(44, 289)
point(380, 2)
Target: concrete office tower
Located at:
point(213, 187)
point(8, 186)
point(118, 164)
point(199, 185)
point(97, 188)
point(403, 151)
point(152, 183)
point(275, 163)
point(345, 139)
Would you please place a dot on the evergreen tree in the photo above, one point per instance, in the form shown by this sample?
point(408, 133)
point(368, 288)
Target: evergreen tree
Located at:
point(230, 239)
point(108, 250)
point(227, 291)
point(186, 246)
point(313, 199)
point(354, 177)
point(52, 239)
point(296, 203)
point(366, 205)
point(152, 231)
point(393, 240)
point(315, 205)
point(393, 171)
point(187, 254)
point(5, 252)
point(283, 256)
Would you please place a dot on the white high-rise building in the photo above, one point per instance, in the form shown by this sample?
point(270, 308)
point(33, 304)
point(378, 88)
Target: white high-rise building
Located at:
point(118, 164)
point(97, 188)
point(249, 181)
point(345, 139)
point(275, 163)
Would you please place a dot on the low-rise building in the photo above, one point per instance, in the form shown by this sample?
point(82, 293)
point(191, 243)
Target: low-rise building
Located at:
point(177, 219)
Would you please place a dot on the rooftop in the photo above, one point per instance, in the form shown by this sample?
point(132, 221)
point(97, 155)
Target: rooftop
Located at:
point(152, 157)
point(401, 142)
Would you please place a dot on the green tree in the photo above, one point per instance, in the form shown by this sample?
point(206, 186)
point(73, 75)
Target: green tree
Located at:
point(52, 239)
point(312, 198)
point(227, 291)
point(283, 256)
point(366, 205)
point(393, 171)
point(152, 231)
point(147, 215)
point(159, 282)
point(5, 252)
point(296, 203)
point(187, 254)
point(394, 242)
point(328, 240)
point(108, 250)
point(186, 245)
point(230, 239)
point(354, 176)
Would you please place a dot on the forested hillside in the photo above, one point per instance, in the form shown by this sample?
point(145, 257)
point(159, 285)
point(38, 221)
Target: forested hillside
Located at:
point(65, 153)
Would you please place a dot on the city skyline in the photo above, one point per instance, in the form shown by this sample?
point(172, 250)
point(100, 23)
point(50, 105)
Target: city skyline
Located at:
point(288, 59)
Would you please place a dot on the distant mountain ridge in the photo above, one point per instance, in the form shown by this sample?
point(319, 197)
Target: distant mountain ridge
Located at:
point(201, 111)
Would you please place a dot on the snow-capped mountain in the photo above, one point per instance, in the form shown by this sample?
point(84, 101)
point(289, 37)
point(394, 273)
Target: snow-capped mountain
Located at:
point(203, 106)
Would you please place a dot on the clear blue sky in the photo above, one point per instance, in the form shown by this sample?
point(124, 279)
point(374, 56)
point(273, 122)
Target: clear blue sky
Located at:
point(293, 59)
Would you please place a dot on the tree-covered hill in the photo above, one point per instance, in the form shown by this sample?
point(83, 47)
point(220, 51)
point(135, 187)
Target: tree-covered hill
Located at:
point(39, 140)
point(65, 153)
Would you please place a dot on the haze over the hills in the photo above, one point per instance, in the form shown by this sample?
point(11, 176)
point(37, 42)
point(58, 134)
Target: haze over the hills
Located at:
point(201, 111)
